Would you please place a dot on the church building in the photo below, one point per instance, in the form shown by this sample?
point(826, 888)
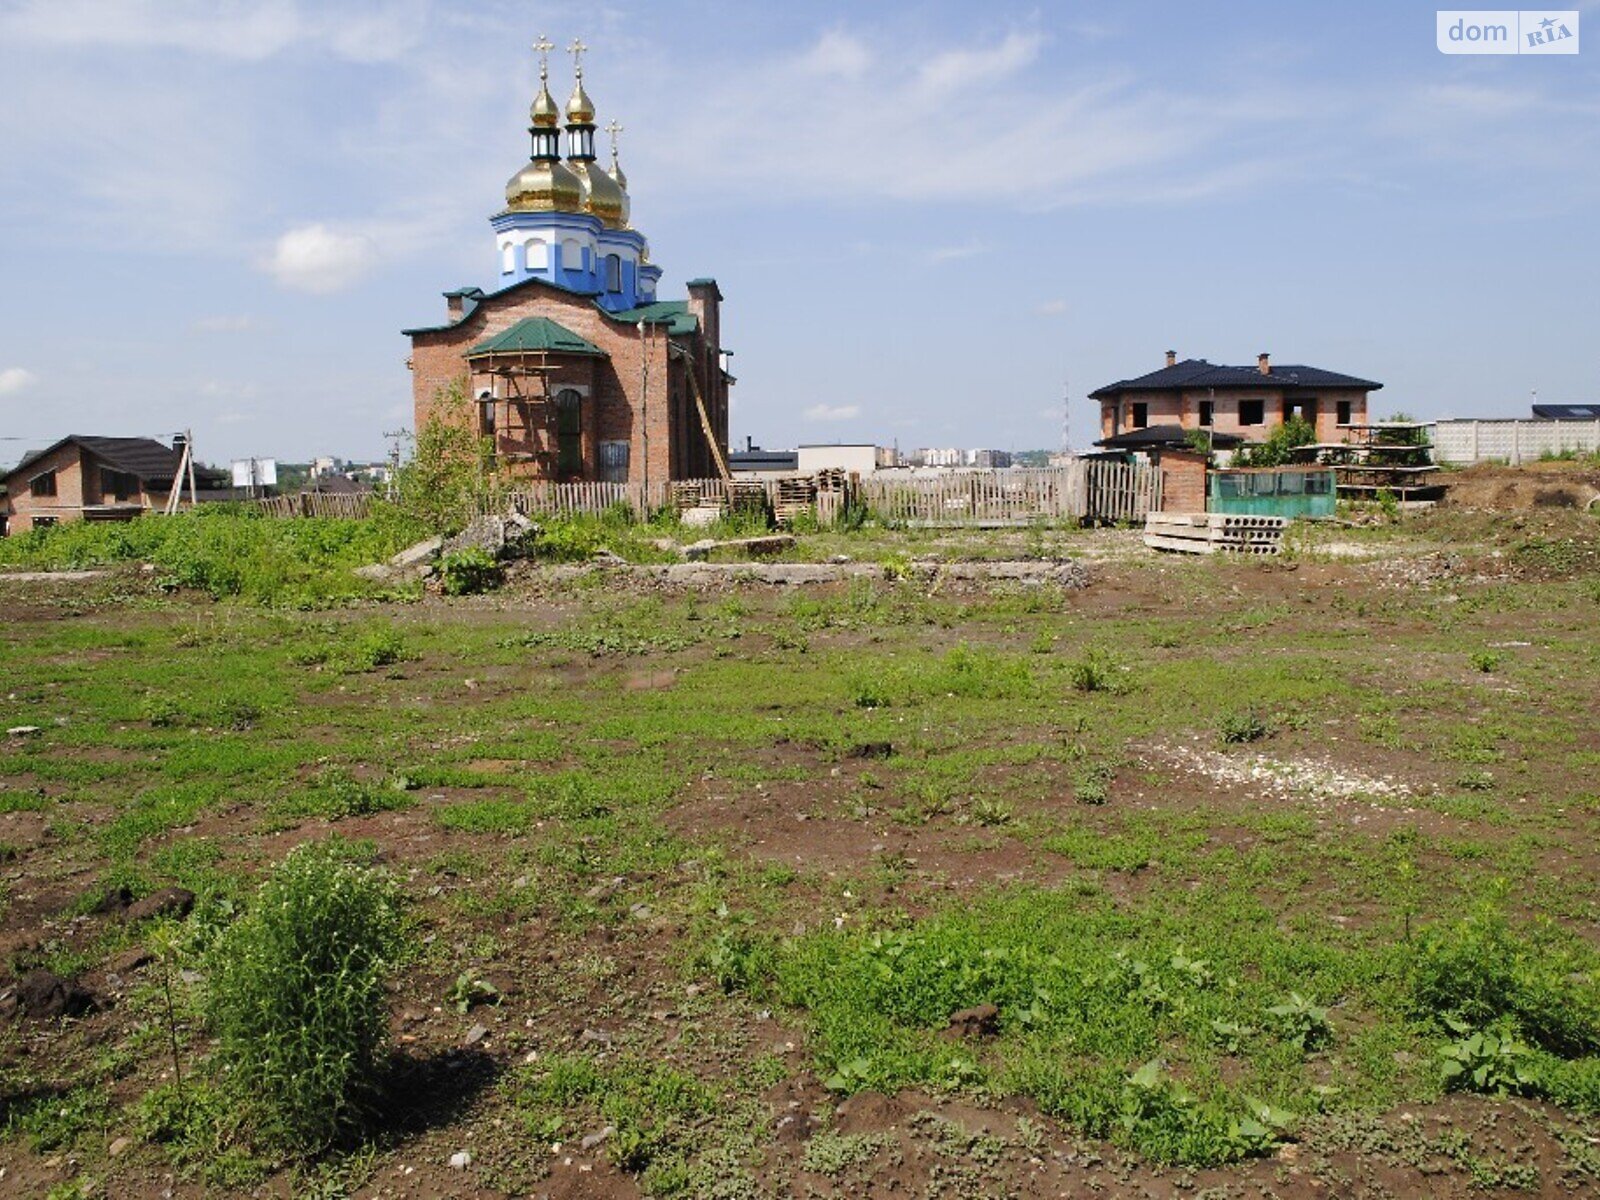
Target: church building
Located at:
point(574, 367)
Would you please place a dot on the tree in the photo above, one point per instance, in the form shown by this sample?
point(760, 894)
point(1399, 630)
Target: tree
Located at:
point(453, 474)
point(1276, 450)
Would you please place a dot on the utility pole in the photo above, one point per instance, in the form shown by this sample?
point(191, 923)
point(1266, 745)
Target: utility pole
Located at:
point(1066, 417)
point(394, 436)
point(644, 410)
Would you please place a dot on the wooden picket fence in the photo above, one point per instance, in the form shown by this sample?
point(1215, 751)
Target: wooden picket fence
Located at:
point(316, 504)
point(1087, 490)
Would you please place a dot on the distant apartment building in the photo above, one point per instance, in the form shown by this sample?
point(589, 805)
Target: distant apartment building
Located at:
point(988, 458)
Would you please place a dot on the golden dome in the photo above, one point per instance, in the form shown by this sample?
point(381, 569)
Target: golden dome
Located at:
point(601, 195)
point(580, 109)
point(545, 186)
point(621, 180)
point(545, 114)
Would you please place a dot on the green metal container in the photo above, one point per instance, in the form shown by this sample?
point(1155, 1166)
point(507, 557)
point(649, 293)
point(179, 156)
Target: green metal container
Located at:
point(1291, 492)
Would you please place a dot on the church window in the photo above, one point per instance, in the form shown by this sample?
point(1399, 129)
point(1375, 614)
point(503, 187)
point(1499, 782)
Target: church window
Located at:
point(508, 258)
point(571, 255)
point(536, 254)
point(613, 272)
point(569, 432)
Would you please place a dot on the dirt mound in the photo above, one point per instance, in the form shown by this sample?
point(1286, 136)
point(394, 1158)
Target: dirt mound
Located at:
point(1534, 485)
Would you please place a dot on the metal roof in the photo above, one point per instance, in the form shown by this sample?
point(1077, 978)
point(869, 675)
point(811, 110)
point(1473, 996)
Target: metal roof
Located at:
point(533, 335)
point(1567, 412)
point(1164, 437)
point(145, 458)
point(1195, 373)
point(674, 314)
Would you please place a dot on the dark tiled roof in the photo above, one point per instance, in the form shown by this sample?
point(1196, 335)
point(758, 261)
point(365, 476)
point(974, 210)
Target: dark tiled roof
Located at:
point(144, 458)
point(1193, 373)
point(1567, 412)
point(1164, 437)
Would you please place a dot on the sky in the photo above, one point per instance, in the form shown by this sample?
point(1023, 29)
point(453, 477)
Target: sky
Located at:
point(933, 223)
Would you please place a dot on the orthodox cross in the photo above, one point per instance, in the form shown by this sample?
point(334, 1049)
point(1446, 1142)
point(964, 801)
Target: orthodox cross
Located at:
point(577, 50)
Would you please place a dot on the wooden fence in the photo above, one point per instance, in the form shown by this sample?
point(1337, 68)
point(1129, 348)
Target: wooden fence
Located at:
point(316, 504)
point(1086, 490)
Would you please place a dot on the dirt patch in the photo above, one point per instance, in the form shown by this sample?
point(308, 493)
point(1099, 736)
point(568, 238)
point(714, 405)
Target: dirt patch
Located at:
point(1532, 486)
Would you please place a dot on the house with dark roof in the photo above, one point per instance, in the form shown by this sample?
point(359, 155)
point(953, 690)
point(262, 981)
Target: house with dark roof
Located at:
point(1249, 402)
point(1566, 412)
point(82, 478)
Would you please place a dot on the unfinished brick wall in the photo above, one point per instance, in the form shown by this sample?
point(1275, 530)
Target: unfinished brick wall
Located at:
point(622, 405)
point(22, 506)
point(1183, 481)
point(1183, 408)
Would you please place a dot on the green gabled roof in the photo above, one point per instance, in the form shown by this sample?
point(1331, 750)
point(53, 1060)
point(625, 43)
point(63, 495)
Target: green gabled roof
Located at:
point(536, 335)
point(674, 314)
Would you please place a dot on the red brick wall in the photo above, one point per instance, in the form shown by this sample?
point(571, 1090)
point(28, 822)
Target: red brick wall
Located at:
point(1183, 481)
point(619, 402)
point(1183, 408)
point(66, 505)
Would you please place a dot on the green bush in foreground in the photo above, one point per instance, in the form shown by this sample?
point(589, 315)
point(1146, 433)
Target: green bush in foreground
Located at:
point(469, 572)
point(296, 998)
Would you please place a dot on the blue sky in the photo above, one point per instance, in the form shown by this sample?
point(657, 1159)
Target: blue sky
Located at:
point(927, 219)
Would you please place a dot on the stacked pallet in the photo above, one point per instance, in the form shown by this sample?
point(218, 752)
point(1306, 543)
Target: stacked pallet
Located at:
point(792, 495)
point(1214, 533)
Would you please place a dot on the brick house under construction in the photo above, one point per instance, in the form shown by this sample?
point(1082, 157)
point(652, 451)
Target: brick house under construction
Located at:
point(1247, 401)
point(574, 368)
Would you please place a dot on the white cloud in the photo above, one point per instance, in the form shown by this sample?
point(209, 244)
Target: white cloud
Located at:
point(317, 259)
point(222, 323)
point(232, 29)
point(943, 254)
point(836, 53)
point(1051, 308)
point(831, 412)
point(16, 379)
point(987, 125)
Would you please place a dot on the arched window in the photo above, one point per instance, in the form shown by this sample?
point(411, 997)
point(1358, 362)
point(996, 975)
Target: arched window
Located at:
point(571, 255)
point(508, 258)
point(569, 432)
point(536, 255)
point(613, 272)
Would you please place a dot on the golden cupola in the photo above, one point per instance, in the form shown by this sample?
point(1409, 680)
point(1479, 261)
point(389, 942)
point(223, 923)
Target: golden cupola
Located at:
point(602, 197)
point(615, 171)
point(545, 184)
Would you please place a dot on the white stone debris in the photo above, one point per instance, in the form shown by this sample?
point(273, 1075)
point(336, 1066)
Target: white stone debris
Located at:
point(1281, 778)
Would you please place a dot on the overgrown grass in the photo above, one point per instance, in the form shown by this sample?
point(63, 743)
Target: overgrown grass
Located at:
point(227, 552)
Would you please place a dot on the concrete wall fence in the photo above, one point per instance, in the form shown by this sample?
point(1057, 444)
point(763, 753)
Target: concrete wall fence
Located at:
point(1514, 442)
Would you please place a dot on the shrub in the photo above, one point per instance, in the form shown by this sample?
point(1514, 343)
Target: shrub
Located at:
point(1486, 1061)
point(296, 997)
point(1275, 451)
point(1483, 974)
point(1094, 672)
point(469, 572)
point(1243, 726)
point(379, 646)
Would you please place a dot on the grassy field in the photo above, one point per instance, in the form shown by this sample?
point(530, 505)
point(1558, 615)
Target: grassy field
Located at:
point(1280, 876)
